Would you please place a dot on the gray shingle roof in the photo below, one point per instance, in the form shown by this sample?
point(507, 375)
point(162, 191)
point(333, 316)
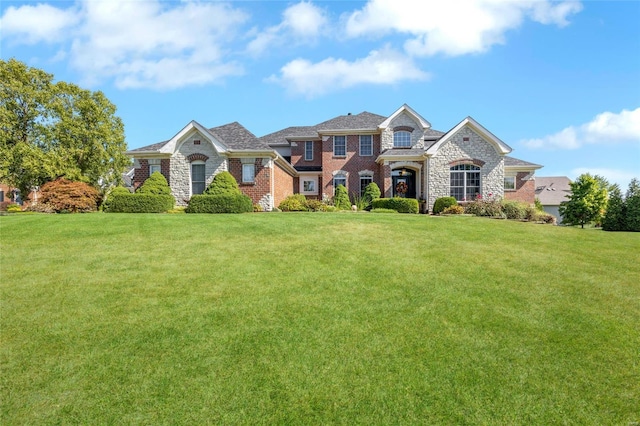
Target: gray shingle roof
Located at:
point(433, 134)
point(152, 147)
point(511, 161)
point(237, 137)
point(404, 151)
point(551, 191)
point(364, 120)
point(280, 137)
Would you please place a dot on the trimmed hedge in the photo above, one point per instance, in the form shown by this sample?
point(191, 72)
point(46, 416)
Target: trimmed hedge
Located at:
point(223, 183)
point(119, 202)
point(401, 205)
point(443, 203)
point(155, 184)
point(223, 203)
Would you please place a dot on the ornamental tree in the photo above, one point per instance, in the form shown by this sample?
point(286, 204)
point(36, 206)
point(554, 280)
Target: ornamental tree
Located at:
point(587, 202)
point(371, 192)
point(56, 129)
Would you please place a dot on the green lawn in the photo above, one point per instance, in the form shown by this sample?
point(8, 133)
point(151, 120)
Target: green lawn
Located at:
point(316, 319)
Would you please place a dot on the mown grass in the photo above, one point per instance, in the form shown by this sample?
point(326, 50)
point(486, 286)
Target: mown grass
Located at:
point(316, 319)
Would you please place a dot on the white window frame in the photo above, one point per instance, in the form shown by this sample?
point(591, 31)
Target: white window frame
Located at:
point(191, 181)
point(154, 166)
point(510, 178)
point(343, 145)
point(402, 143)
point(248, 173)
point(370, 146)
point(466, 170)
point(308, 151)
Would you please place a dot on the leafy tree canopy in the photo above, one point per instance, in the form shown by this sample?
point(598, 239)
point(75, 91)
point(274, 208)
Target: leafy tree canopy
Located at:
point(56, 129)
point(587, 202)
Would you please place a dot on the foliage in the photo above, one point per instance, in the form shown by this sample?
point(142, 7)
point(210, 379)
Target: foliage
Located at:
point(538, 204)
point(39, 208)
point(455, 209)
point(383, 210)
point(257, 207)
point(223, 183)
point(121, 202)
point(294, 203)
point(358, 201)
point(66, 196)
point(632, 203)
point(587, 201)
point(341, 198)
point(442, 203)
point(371, 192)
point(401, 205)
point(56, 129)
point(222, 203)
point(14, 208)
point(615, 217)
point(516, 210)
point(485, 207)
point(155, 184)
point(318, 206)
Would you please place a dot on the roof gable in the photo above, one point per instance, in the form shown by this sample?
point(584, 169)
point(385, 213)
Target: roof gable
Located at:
point(500, 147)
point(173, 143)
point(406, 109)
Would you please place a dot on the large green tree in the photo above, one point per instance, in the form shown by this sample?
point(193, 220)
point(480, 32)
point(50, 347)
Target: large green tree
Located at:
point(632, 204)
point(51, 129)
point(587, 202)
point(614, 219)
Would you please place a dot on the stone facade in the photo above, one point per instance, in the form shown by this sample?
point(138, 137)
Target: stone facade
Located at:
point(466, 144)
point(403, 122)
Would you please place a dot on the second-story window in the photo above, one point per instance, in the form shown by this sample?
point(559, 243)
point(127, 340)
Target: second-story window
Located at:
point(308, 151)
point(340, 146)
point(402, 139)
point(366, 145)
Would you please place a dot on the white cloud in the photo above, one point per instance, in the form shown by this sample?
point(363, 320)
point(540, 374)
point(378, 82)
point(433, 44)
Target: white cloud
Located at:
point(454, 27)
point(144, 44)
point(301, 23)
point(384, 66)
point(40, 23)
point(605, 128)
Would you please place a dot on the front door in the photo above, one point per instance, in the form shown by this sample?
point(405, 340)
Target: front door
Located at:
point(403, 183)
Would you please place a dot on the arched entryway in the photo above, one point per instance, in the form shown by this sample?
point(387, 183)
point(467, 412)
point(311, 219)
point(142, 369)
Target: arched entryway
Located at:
point(403, 183)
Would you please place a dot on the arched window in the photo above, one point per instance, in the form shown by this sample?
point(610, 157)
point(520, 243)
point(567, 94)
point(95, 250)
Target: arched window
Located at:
point(402, 139)
point(465, 182)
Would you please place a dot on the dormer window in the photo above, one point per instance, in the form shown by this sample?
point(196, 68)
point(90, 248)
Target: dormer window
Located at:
point(402, 139)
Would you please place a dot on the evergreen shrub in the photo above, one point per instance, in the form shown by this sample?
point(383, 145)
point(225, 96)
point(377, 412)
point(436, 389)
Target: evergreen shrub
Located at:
point(223, 183)
point(121, 202)
point(401, 205)
point(294, 203)
point(442, 203)
point(341, 198)
point(155, 184)
point(222, 203)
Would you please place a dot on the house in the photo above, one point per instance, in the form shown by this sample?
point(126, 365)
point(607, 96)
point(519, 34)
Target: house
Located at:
point(551, 191)
point(353, 150)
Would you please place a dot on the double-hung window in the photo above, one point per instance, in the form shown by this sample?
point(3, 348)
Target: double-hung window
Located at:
point(154, 166)
point(197, 177)
point(364, 181)
point(509, 183)
point(248, 173)
point(308, 151)
point(366, 145)
point(339, 180)
point(465, 182)
point(340, 146)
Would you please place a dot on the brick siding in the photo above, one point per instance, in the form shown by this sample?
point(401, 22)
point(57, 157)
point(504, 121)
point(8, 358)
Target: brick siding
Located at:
point(525, 189)
point(262, 180)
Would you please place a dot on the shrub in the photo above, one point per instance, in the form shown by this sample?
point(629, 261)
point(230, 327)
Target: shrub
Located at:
point(442, 203)
point(341, 198)
point(14, 208)
point(222, 203)
point(401, 205)
point(484, 207)
point(317, 206)
point(358, 201)
point(40, 208)
point(223, 183)
point(121, 202)
point(155, 184)
point(383, 211)
point(67, 196)
point(516, 210)
point(371, 192)
point(294, 203)
point(257, 208)
point(453, 210)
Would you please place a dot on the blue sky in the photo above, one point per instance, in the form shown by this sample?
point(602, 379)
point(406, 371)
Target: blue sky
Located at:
point(557, 81)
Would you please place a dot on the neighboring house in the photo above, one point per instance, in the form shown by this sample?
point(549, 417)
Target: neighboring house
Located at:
point(352, 150)
point(551, 191)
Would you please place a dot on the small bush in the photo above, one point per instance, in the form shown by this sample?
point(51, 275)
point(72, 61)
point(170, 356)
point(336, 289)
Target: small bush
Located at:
point(155, 184)
point(515, 209)
point(40, 208)
point(485, 207)
point(443, 203)
point(138, 203)
point(68, 196)
point(257, 208)
point(317, 206)
point(14, 208)
point(223, 203)
point(294, 203)
point(371, 192)
point(341, 198)
point(453, 210)
point(383, 211)
point(223, 183)
point(401, 205)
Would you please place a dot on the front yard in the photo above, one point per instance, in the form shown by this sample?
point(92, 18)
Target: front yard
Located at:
point(316, 318)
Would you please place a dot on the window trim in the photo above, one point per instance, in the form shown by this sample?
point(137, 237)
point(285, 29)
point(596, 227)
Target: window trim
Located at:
point(339, 177)
point(398, 133)
point(252, 167)
point(465, 169)
point(191, 181)
point(344, 138)
point(370, 146)
point(308, 144)
point(365, 177)
point(514, 183)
